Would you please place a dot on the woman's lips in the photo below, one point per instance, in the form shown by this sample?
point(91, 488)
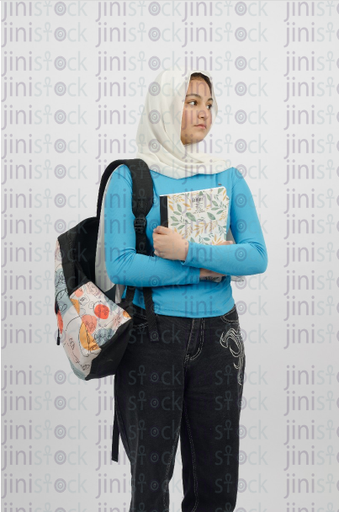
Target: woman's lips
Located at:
point(200, 126)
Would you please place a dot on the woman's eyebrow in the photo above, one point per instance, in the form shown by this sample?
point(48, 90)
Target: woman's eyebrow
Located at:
point(197, 95)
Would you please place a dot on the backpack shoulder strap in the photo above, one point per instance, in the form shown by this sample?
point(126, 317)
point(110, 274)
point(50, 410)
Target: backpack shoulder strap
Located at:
point(142, 199)
point(142, 203)
point(142, 196)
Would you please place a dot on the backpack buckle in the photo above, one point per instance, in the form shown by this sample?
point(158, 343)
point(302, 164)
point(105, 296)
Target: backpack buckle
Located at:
point(140, 223)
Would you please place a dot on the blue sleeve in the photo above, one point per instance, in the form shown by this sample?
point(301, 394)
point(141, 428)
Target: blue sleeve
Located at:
point(124, 265)
point(249, 254)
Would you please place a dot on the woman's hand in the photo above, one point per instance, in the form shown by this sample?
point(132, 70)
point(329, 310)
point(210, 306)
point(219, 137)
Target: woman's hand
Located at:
point(169, 244)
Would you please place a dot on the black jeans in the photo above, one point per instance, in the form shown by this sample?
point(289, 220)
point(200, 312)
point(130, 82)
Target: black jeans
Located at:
point(189, 384)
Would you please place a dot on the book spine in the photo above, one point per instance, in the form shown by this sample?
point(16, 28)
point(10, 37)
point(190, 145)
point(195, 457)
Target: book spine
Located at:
point(163, 211)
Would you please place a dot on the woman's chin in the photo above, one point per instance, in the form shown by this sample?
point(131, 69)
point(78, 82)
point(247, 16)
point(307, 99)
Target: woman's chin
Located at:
point(195, 139)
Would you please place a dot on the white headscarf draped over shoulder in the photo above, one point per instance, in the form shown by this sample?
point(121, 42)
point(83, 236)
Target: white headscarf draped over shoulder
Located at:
point(159, 131)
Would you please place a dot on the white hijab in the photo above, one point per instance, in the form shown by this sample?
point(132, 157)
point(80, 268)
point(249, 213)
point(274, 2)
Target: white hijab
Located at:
point(159, 131)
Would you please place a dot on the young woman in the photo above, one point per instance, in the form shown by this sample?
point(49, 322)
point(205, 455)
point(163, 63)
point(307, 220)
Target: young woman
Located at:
point(189, 384)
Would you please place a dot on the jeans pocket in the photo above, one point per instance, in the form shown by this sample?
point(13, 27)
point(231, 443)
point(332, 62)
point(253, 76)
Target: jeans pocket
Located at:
point(231, 316)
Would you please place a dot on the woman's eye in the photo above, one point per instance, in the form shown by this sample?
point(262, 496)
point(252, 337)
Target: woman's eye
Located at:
point(194, 101)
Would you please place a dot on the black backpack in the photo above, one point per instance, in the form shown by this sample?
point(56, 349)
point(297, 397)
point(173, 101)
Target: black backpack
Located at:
point(95, 329)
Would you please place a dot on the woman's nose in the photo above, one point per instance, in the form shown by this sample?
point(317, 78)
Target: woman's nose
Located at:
point(202, 114)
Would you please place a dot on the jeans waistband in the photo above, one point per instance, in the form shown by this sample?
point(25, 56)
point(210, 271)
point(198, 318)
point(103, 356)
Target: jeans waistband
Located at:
point(232, 314)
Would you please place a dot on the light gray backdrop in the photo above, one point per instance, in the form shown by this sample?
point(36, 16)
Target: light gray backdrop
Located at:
point(275, 69)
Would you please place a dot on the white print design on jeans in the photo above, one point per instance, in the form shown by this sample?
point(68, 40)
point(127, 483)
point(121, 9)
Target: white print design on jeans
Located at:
point(235, 336)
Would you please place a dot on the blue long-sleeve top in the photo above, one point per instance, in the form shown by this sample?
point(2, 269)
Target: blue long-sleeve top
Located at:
point(176, 286)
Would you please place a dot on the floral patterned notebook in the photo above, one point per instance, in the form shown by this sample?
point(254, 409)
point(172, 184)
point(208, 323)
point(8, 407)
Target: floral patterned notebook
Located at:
point(199, 216)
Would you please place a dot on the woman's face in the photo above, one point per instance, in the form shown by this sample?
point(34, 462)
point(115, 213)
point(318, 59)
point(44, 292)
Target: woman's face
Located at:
point(197, 111)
